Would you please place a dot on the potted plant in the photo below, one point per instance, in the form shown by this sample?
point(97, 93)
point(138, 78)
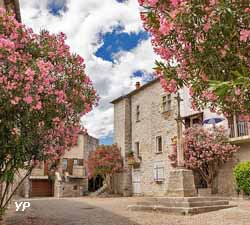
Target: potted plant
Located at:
point(130, 158)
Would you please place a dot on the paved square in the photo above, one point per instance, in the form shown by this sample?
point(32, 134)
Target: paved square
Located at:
point(112, 211)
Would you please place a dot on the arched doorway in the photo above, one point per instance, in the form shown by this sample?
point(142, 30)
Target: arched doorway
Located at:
point(95, 183)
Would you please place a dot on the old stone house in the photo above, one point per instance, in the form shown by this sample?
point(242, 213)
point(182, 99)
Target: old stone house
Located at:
point(144, 122)
point(69, 179)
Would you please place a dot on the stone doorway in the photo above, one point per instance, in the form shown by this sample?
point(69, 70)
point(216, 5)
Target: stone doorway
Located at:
point(95, 183)
point(136, 181)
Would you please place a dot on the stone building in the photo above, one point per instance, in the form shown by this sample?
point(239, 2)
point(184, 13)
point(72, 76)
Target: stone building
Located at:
point(144, 122)
point(68, 179)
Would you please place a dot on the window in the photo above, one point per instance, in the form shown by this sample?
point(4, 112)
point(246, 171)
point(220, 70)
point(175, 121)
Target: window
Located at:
point(193, 120)
point(137, 149)
point(80, 162)
point(159, 172)
point(166, 103)
point(137, 113)
point(75, 162)
point(159, 144)
point(65, 164)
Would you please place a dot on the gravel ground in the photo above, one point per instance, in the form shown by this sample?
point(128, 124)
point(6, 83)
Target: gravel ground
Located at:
point(112, 211)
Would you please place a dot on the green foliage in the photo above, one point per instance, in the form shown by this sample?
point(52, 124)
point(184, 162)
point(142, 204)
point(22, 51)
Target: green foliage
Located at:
point(130, 153)
point(105, 161)
point(242, 176)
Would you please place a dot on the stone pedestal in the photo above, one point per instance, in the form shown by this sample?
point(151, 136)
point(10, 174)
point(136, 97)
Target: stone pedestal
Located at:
point(181, 205)
point(181, 183)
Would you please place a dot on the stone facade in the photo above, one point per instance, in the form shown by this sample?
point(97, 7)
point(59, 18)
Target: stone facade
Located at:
point(129, 130)
point(139, 119)
point(70, 179)
point(225, 180)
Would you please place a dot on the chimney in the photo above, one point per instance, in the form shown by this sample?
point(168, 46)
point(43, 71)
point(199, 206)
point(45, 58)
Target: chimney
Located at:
point(137, 85)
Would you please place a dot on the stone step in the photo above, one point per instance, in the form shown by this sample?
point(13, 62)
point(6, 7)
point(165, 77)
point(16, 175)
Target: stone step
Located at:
point(181, 199)
point(185, 204)
point(178, 210)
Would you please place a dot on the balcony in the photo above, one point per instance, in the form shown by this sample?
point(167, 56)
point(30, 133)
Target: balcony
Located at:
point(79, 171)
point(239, 131)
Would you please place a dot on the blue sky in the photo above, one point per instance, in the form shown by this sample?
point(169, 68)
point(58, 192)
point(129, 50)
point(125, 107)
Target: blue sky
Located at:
point(114, 42)
point(56, 7)
point(117, 40)
point(110, 37)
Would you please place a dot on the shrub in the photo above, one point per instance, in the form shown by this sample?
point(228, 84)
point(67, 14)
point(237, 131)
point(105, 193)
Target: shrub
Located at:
point(205, 150)
point(242, 176)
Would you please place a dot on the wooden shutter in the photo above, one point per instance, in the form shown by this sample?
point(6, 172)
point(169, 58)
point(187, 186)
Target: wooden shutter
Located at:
point(46, 168)
point(80, 162)
point(70, 166)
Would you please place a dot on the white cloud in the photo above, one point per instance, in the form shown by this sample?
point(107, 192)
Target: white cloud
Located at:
point(83, 22)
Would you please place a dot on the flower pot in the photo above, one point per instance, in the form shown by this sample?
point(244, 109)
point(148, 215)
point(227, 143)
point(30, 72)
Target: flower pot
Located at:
point(131, 161)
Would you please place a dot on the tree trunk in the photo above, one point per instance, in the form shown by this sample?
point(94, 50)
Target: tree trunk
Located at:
point(108, 183)
point(1, 217)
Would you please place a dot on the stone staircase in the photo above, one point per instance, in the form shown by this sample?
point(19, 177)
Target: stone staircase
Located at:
point(181, 205)
point(100, 191)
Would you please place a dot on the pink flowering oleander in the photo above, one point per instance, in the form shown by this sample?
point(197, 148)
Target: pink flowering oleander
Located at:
point(203, 45)
point(205, 150)
point(44, 91)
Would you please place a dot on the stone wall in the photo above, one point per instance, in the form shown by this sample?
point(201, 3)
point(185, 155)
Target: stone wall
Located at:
point(74, 188)
point(39, 170)
point(225, 180)
point(119, 125)
point(1, 3)
point(152, 123)
point(122, 137)
point(89, 144)
point(77, 151)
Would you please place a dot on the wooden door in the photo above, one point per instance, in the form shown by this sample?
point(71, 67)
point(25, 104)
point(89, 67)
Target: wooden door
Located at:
point(136, 179)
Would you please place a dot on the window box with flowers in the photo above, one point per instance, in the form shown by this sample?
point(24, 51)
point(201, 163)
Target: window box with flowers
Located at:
point(132, 159)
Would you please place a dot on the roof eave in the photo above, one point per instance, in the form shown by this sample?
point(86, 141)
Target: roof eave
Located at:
point(134, 91)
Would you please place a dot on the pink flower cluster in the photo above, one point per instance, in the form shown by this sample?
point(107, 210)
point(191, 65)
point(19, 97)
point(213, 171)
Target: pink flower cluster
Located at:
point(205, 150)
point(45, 83)
point(197, 44)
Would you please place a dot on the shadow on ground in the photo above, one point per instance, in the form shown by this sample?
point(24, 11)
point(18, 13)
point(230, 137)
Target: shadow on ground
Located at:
point(64, 212)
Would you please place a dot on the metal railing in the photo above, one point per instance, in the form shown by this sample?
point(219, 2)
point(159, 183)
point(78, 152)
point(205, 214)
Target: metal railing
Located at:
point(242, 129)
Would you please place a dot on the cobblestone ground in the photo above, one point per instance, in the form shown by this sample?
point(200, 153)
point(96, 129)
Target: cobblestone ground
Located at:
point(112, 211)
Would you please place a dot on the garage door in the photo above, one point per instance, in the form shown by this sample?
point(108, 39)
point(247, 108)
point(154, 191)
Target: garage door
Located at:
point(41, 188)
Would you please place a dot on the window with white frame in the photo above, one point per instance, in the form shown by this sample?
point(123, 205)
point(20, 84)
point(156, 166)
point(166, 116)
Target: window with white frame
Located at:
point(137, 113)
point(159, 172)
point(159, 144)
point(75, 162)
point(166, 103)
